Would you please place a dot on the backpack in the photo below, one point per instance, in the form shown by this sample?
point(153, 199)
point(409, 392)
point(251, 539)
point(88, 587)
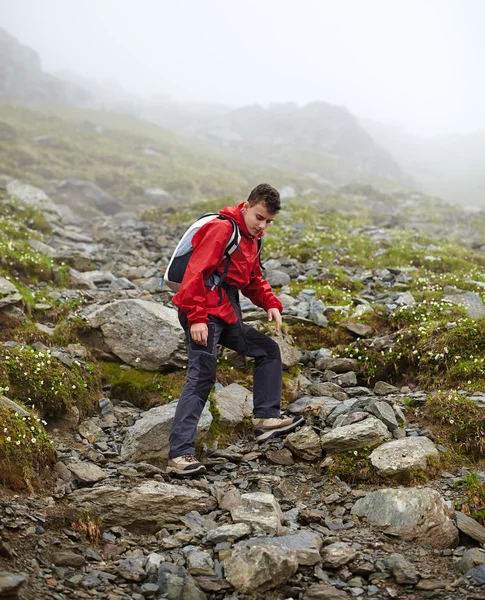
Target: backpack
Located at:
point(181, 256)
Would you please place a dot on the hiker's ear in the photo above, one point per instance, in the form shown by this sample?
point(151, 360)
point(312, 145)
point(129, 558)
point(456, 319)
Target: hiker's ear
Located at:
point(245, 206)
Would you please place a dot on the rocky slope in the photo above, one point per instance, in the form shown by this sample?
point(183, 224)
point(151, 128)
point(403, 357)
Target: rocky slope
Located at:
point(370, 499)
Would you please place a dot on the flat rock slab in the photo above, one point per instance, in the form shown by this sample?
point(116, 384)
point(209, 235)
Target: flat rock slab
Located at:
point(413, 514)
point(87, 472)
point(400, 456)
point(358, 435)
point(145, 508)
point(306, 544)
point(327, 403)
point(9, 294)
point(261, 511)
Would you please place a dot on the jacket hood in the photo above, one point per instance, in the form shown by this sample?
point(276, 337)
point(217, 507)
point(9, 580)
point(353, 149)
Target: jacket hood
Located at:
point(234, 212)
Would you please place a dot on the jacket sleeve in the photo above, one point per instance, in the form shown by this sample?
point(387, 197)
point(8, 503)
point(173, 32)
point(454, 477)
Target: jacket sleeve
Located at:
point(209, 244)
point(259, 290)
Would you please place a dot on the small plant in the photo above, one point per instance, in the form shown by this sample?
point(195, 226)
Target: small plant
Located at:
point(353, 466)
point(25, 448)
point(89, 526)
point(473, 504)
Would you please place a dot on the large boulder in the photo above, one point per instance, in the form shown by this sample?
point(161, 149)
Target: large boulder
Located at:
point(413, 514)
point(306, 544)
point(35, 197)
point(148, 439)
point(145, 508)
point(78, 193)
point(368, 432)
point(407, 454)
point(141, 333)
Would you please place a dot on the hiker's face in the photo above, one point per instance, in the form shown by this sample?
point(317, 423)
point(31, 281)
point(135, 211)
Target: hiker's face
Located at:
point(257, 217)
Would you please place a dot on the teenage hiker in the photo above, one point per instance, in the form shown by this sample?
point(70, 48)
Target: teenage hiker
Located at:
point(208, 301)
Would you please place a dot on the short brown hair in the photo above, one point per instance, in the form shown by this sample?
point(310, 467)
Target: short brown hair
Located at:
point(267, 194)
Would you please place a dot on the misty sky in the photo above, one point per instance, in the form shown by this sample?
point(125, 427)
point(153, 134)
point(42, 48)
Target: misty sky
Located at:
point(417, 63)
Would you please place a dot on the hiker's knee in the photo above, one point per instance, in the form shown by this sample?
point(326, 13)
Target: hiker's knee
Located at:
point(207, 375)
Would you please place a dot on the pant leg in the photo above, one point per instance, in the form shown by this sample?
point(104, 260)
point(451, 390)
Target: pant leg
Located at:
point(201, 376)
point(268, 371)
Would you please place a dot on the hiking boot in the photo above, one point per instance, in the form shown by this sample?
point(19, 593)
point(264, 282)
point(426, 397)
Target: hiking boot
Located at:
point(185, 466)
point(265, 429)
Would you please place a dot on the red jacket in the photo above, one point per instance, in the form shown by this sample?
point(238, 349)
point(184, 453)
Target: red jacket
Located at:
point(198, 301)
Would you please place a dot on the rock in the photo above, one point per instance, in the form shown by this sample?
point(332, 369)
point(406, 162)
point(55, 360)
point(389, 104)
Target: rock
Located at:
point(384, 412)
point(471, 558)
point(8, 293)
point(338, 365)
point(32, 196)
point(470, 301)
point(141, 333)
point(336, 555)
point(10, 404)
point(304, 443)
point(10, 584)
point(290, 356)
point(234, 402)
point(148, 439)
point(66, 558)
point(306, 545)
point(39, 246)
point(327, 389)
point(277, 278)
point(131, 568)
point(259, 568)
point(145, 508)
point(324, 591)
point(90, 431)
point(327, 403)
point(470, 527)
point(280, 457)
point(404, 571)
point(93, 200)
point(358, 435)
point(261, 511)
point(358, 329)
point(345, 380)
point(413, 514)
point(382, 388)
point(400, 456)
point(200, 563)
point(86, 472)
point(174, 582)
point(228, 533)
point(477, 574)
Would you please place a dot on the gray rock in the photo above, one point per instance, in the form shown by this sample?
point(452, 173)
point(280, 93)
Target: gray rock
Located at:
point(200, 562)
point(326, 402)
point(382, 388)
point(344, 380)
point(404, 571)
point(471, 558)
point(32, 196)
point(87, 472)
point(174, 582)
point(306, 545)
point(358, 329)
point(7, 403)
point(477, 574)
point(259, 568)
point(384, 412)
point(8, 293)
point(11, 584)
point(336, 555)
point(234, 402)
point(327, 389)
point(324, 591)
point(90, 431)
point(148, 439)
point(470, 301)
point(261, 511)
point(304, 443)
point(290, 355)
point(400, 456)
point(228, 533)
point(145, 508)
point(92, 199)
point(141, 333)
point(414, 514)
point(277, 278)
point(131, 568)
point(358, 435)
point(338, 365)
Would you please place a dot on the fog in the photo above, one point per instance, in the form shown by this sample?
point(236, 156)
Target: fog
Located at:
point(411, 63)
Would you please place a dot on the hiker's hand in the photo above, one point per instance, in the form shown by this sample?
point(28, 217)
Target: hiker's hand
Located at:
point(275, 315)
point(199, 333)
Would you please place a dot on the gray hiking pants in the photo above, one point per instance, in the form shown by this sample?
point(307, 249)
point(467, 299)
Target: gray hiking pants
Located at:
point(201, 376)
